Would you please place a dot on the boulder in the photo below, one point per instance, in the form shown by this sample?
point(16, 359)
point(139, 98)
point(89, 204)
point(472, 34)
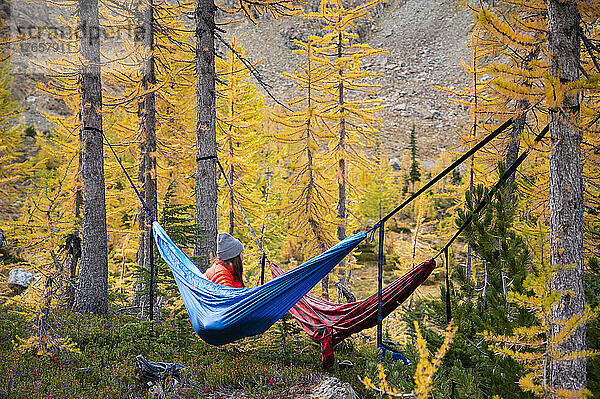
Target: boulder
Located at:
point(395, 164)
point(21, 277)
point(332, 388)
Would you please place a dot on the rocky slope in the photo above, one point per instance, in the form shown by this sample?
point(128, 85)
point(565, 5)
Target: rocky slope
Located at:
point(425, 40)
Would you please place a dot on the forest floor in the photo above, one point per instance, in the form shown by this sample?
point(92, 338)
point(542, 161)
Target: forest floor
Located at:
point(104, 365)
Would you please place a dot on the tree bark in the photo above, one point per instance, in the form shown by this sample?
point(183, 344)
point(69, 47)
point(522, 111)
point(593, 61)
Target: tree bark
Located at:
point(92, 287)
point(514, 143)
point(566, 195)
point(469, 266)
point(343, 277)
point(206, 141)
point(70, 292)
point(147, 166)
point(231, 177)
point(512, 150)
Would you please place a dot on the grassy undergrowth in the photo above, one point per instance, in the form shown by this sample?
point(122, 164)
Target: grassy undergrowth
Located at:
point(257, 367)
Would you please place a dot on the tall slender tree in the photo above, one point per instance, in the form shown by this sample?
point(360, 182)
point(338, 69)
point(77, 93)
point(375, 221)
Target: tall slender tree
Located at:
point(306, 132)
point(351, 99)
point(566, 193)
point(92, 288)
point(414, 174)
point(206, 137)
point(239, 135)
point(206, 141)
point(147, 161)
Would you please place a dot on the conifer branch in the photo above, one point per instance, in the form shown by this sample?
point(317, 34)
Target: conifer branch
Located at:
point(252, 70)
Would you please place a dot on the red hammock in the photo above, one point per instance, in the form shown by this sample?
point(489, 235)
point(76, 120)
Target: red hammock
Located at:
point(328, 323)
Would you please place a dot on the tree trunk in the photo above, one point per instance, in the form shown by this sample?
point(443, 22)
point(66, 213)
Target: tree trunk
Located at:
point(231, 176)
point(70, 292)
point(206, 141)
point(512, 150)
point(469, 266)
point(514, 143)
point(341, 205)
point(92, 287)
point(147, 166)
point(566, 195)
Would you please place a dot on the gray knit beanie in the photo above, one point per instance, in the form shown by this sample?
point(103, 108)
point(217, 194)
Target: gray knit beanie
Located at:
point(228, 247)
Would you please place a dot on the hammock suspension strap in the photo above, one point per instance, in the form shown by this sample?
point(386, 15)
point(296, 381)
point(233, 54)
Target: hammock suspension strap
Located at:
point(448, 306)
point(148, 211)
point(240, 206)
point(503, 178)
point(450, 168)
point(380, 286)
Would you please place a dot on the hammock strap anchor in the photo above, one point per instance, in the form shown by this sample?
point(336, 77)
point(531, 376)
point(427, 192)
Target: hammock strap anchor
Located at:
point(263, 263)
point(151, 274)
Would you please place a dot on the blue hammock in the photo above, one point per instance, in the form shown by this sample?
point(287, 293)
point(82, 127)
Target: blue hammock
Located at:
point(220, 314)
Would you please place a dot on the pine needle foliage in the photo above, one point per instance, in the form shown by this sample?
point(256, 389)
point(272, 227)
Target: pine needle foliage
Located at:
point(535, 346)
point(502, 251)
point(414, 173)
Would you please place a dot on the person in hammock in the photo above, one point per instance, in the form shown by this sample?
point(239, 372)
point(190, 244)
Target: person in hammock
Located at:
point(227, 268)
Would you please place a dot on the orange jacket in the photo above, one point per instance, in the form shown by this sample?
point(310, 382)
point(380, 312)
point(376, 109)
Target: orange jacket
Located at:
point(221, 273)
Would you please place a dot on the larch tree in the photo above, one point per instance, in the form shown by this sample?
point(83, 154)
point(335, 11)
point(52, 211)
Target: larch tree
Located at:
point(566, 193)
point(515, 32)
point(350, 99)
point(147, 153)
point(542, 42)
point(154, 76)
point(306, 131)
point(63, 81)
point(239, 118)
point(206, 137)
point(507, 44)
point(92, 286)
point(11, 137)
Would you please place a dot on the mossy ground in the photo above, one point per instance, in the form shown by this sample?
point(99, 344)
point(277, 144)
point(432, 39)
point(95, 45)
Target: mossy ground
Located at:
point(256, 367)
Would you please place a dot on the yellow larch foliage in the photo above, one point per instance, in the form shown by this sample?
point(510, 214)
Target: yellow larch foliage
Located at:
point(511, 70)
point(426, 367)
point(243, 147)
point(305, 130)
point(349, 94)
